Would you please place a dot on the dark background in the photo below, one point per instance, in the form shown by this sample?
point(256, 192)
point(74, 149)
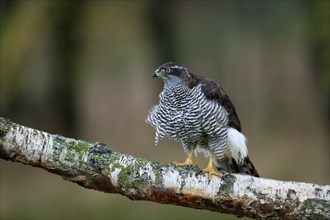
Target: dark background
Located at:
point(83, 69)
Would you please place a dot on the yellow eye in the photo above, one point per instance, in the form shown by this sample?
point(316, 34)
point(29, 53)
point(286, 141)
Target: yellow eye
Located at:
point(167, 70)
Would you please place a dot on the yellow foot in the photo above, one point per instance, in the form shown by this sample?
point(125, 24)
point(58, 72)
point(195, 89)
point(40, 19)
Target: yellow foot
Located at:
point(211, 171)
point(188, 162)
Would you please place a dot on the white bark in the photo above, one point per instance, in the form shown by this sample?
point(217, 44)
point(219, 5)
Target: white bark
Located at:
point(97, 167)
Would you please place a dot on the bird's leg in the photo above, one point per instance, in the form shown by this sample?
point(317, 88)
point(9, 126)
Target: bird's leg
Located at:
point(210, 170)
point(188, 161)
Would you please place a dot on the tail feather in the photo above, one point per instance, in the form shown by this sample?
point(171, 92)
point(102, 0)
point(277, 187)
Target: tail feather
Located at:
point(231, 166)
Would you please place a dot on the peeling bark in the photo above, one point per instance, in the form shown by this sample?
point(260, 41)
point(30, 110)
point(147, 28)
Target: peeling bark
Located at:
point(97, 166)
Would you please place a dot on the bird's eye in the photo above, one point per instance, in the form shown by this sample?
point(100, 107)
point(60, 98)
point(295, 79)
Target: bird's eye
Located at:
point(168, 70)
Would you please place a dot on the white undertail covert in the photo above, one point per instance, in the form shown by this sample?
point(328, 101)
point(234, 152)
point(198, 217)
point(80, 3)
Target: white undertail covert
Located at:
point(237, 144)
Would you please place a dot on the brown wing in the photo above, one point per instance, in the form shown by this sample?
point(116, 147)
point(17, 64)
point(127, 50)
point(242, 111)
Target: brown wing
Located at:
point(213, 91)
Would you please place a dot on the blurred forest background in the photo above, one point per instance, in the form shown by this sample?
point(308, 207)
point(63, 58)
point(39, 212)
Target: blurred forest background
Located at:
point(83, 69)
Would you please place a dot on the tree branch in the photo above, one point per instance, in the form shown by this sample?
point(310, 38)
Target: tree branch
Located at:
point(96, 166)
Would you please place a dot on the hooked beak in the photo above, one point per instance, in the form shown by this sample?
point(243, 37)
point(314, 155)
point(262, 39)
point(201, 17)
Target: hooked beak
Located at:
point(157, 73)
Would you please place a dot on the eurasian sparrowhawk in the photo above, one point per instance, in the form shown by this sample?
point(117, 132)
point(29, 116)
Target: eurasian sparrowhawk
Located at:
point(197, 111)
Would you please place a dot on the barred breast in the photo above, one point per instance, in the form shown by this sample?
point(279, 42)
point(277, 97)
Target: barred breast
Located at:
point(187, 115)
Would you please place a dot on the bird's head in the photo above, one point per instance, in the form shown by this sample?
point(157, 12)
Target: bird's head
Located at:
point(170, 72)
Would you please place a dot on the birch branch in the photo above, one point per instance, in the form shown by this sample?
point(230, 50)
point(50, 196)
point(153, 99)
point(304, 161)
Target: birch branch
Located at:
point(97, 166)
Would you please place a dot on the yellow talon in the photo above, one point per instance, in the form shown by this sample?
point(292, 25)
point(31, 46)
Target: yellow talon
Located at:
point(210, 170)
point(188, 161)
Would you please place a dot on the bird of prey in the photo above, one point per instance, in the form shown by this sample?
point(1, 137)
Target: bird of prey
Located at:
point(196, 111)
